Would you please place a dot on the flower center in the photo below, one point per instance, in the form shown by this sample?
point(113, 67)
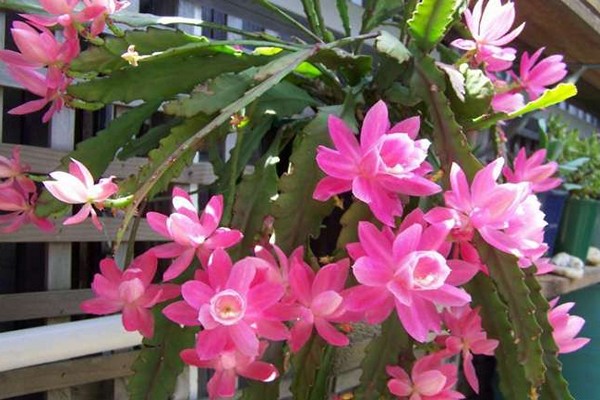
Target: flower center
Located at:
point(227, 307)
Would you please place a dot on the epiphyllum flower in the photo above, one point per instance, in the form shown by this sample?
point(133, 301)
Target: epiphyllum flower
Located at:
point(228, 365)
point(62, 12)
point(490, 28)
point(565, 327)
point(534, 171)
point(13, 171)
point(19, 204)
point(51, 88)
point(399, 273)
point(466, 337)
point(319, 302)
point(191, 235)
point(429, 380)
point(77, 187)
point(505, 215)
point(535, 78)
point(230, 305)
point(102, 9)
point(130, 291)
point(387, 163)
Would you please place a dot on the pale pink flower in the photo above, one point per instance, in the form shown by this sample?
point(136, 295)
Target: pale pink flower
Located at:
point(535, 78)
point(77, 187)
point(394, 272)
point(107, 7)
point(507, 102)
point(38, 48)
point(429, 380)
point(19, 205)
point(466, 337)
point(544, 266)
point(387, 163)
point(230, 306)
point(130, 291)
point(191, 234)
point(12, 170)
point(319, 302)
point(52, 88)
point(63, 12)
point(565, 327)
point(506, 215)
point(228, 365)
point(534, 171)
point(490, 29)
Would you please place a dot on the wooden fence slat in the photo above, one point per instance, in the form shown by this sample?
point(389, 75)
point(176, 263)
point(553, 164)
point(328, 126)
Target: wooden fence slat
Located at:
point(65, 374)
point(50, 304)
point(43, 161)
point(84, 232)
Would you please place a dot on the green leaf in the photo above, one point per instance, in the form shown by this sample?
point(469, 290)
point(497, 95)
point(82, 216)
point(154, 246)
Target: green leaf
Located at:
point(99, 151)
point(353, 67)
point(449, 140)
point(251, 205)
point(312, 365)
point(388, 44)
point(287, 64)
point(358, 211)
point(509, 279)
point(284, 100)
point(550, 97)
point(430, 21)
point(342, 7)
point(23, 6)
point(153, 78)
point(158, 365)
point(211, 97)
point(141, 146)
point(392, 346)
point(378, 11)
point(297, 214)
point(494, 315)
point(478, 95)
point(555, 386)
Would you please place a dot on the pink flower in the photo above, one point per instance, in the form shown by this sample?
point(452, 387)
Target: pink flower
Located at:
point(466, 337)
point(387, 163)
point(99, 10)
point(534, 171)
point(191, 235)
point(505, 215)
point(536, 78)
point(429, 380)
point(77, 187)
point(62, 12)
point(38, 48)
point(230, 305)
point(228, 365)
point(490, 28)
point(319, 302)
point(12, 170)
point(565, 327)
point(19, 203)
point(507, 102)
point(51, 88)
point(130, 291)
point(394, 271)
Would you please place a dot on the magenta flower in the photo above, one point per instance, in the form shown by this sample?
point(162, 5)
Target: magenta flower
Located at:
point(230, 305)
point(565, 327)
point(19, 204)
point(396, 273)
point(535, 78)
point(38, 48)
point(534, 171)
point(466, 337)
point(228, 365)
point(429, 380)
point(387, 163)
point(319, 302)
point(191, 234)
point(507, 102)
point(51, 88)
point(13, 171)
point(130, 291)
point(490, 29)
point(77, 187)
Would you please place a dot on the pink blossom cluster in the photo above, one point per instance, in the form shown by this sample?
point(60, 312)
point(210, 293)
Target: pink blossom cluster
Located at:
point(18, 196)
point(43, 59)
point(490, 24)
